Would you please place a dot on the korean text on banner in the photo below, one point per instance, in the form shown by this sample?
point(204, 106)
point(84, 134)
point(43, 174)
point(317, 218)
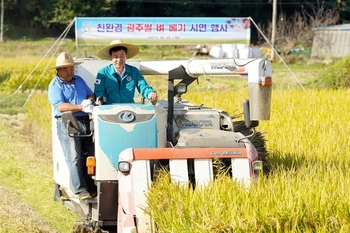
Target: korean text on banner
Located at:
point(162, 31)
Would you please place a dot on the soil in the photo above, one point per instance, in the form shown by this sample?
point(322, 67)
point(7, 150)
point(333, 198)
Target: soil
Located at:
point(12, 207)
point(14, 210)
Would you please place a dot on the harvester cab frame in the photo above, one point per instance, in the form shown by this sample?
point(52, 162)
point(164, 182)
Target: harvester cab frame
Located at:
point(176, 91)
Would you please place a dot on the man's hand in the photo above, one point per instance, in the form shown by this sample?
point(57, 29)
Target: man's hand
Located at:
point(86, 103)
point(100, 100)
point(153, 97)
point(87, 106)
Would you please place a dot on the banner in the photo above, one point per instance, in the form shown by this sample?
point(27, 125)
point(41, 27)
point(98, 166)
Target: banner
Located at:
point(162, 31)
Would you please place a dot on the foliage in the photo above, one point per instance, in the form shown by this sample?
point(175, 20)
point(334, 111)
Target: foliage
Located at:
point(12, 104)
point(43, 18)
point(335, 76)
point(295, 59)
point(297, 30)
point(39, 118)
point(15, 78)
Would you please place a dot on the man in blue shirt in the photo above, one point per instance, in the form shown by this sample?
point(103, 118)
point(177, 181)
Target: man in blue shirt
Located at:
point(69, 92)
point(116, 82)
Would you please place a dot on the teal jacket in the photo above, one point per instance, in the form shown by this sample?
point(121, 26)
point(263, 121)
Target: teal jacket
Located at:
point(116, 89)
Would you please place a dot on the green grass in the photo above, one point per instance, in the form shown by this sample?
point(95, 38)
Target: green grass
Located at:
point(13, 103)
point(27, 170)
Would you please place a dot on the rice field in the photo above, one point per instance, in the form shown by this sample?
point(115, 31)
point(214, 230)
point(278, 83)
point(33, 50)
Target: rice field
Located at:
point(306, 191)
point(307, 140)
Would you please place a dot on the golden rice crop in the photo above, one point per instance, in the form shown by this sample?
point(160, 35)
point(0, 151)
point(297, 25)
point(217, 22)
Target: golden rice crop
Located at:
point(306, 190)
point(25, 74)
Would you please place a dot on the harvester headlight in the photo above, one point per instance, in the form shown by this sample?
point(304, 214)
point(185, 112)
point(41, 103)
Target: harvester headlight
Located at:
point(124, 167)
point(257, 167)
point(181, 88)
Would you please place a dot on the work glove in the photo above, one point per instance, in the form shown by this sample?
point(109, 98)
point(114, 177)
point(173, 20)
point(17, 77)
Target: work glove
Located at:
point(88, 108)
point(86, 103)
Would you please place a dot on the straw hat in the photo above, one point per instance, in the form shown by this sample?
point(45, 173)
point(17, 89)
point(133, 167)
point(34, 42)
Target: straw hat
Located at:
point(65, 60)
point(104, 53)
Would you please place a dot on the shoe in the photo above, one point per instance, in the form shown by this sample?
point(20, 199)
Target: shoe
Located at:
point(93, 193)
point(83, 195)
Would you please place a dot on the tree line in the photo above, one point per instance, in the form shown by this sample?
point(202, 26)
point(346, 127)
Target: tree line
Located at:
point(36, 19)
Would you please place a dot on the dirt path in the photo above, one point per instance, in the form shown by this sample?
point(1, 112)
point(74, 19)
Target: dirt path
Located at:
point(15, 214)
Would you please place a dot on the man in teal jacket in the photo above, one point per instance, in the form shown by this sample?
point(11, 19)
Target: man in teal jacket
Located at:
point(116, 82)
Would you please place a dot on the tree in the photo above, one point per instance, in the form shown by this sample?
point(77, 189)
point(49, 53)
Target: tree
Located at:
point(51, 17)
point(297, 30)
point(42, 18)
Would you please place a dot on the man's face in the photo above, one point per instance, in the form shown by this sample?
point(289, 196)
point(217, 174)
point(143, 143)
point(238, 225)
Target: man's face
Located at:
point(66, 73)
point(118, 59)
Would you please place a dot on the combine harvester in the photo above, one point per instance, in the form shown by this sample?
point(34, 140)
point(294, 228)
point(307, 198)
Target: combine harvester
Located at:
point(133, 141)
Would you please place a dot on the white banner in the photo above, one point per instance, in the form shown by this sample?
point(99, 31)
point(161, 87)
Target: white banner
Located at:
point(162, 31)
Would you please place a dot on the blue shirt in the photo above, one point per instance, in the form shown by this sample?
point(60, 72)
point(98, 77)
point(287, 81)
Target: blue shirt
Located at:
point(63, 92)
point(118, 89)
